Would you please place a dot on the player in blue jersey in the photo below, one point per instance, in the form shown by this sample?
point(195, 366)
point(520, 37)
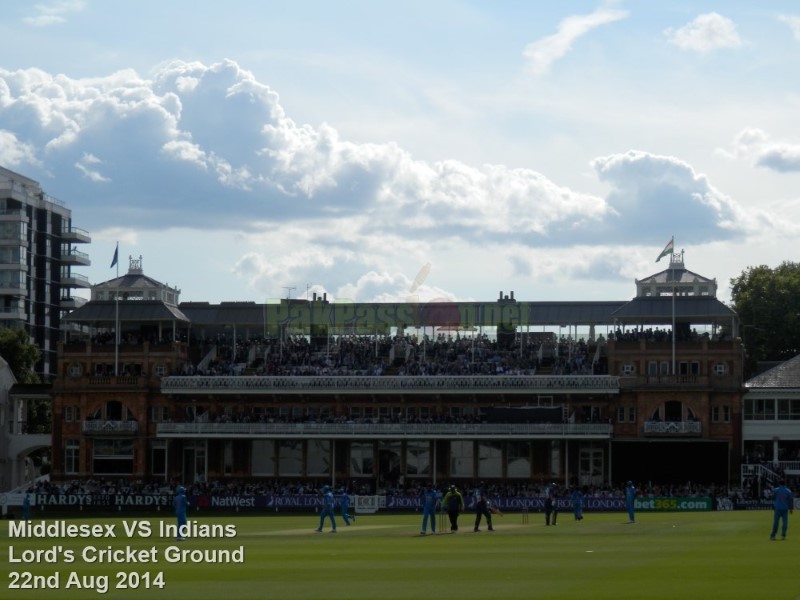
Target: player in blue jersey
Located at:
point(328, 504)
point(26, 507)
point(431, 501)
point(181, 503)
point(783, 503)
point(576, 498)
point(344, 505)
point(630, 499)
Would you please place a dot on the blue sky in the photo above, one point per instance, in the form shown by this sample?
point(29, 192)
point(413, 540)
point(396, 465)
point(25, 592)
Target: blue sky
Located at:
point(257, 149)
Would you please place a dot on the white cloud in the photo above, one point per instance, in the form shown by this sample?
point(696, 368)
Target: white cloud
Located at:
point(14, 153)
point(707, 32)
point(544, 52)
point(87, 164)
point(658, 193)
point(755, 145)
point(53, 13)
point(793, 23)
point(212, 148)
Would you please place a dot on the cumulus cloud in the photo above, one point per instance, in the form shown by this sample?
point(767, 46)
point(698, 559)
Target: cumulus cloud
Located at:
point(542, 53)
point(14, 152)
point(53, 13)
point(756, 146)
point(663, 194)
point(225, 146)
point(793, 23)
point(707, 32)
point(210, 149)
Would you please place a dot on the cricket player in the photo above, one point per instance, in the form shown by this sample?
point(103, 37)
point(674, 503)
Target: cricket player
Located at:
point(577, 503)
point(630, 499)
point(344, 505)
point(328, 504)
point(783, 505)
point(26, 507)
point(181, 503)
point(453, 503)
point(431, 502)
point(482, 509)
point(551, 504)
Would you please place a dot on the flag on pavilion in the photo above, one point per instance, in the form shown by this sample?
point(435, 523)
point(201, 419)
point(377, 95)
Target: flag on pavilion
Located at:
point(667, 249)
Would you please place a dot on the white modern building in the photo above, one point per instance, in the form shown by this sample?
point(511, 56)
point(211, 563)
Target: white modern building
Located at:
point(38, 252)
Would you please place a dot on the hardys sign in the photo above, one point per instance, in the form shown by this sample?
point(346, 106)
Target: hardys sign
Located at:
point(305, 502)
point(102, 500)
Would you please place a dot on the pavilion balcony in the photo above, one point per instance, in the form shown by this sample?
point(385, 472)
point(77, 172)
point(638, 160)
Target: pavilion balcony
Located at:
point(673, 428)
point(470, 431)
point(104, 427)
point(484, 384)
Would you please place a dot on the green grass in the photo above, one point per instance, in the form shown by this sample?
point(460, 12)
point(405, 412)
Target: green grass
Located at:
point(669, 555)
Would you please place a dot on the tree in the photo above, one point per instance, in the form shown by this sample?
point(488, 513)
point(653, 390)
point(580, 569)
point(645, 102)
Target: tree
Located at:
point(20, 354)
point(768, 304)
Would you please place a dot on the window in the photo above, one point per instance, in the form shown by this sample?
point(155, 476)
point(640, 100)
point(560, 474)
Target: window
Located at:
point(652, 368)
point(490, 459)
point(227, 457)
point(158, 457)
point(112, 457)
point(68, 414)
point(720, 368)
point(418, 458)
point(759, 409)
point(362, 459)
point(628, 369)
point(461, 456)
point(160, 371)
point(664, 367)
point(319, 457)
point(721, 414)
point(788, 409)
point(631, 414)
point(159, 413)
point(290, 457)
point(263, 457)
point(72, 456)
point(621, 414)
point(75, 370)
point(518, 459)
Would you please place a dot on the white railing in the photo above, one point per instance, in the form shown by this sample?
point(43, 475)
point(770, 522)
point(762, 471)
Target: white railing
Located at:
point(676, 427)
point(378, 430)
point(552, 384)
point(100, 426)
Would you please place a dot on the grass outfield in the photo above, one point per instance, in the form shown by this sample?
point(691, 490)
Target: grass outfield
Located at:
point(724, 555)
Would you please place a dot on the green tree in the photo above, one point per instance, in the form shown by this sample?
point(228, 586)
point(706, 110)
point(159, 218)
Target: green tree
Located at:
point(20, 354)
point(768, 304)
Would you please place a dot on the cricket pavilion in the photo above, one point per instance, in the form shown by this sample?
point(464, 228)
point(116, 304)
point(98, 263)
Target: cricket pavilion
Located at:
point(377, 395)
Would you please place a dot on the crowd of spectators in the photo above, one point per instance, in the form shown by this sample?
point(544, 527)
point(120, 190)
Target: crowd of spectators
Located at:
point(408, 355)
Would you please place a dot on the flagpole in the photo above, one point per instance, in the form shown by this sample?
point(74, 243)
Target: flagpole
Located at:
point(116, 318)
point(674, 292)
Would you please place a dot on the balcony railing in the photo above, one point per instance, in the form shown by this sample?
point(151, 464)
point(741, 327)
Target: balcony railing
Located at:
point(676, 428)
point(384, 430)
point(110, 427)
point(486, 384)
point(680, 381)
